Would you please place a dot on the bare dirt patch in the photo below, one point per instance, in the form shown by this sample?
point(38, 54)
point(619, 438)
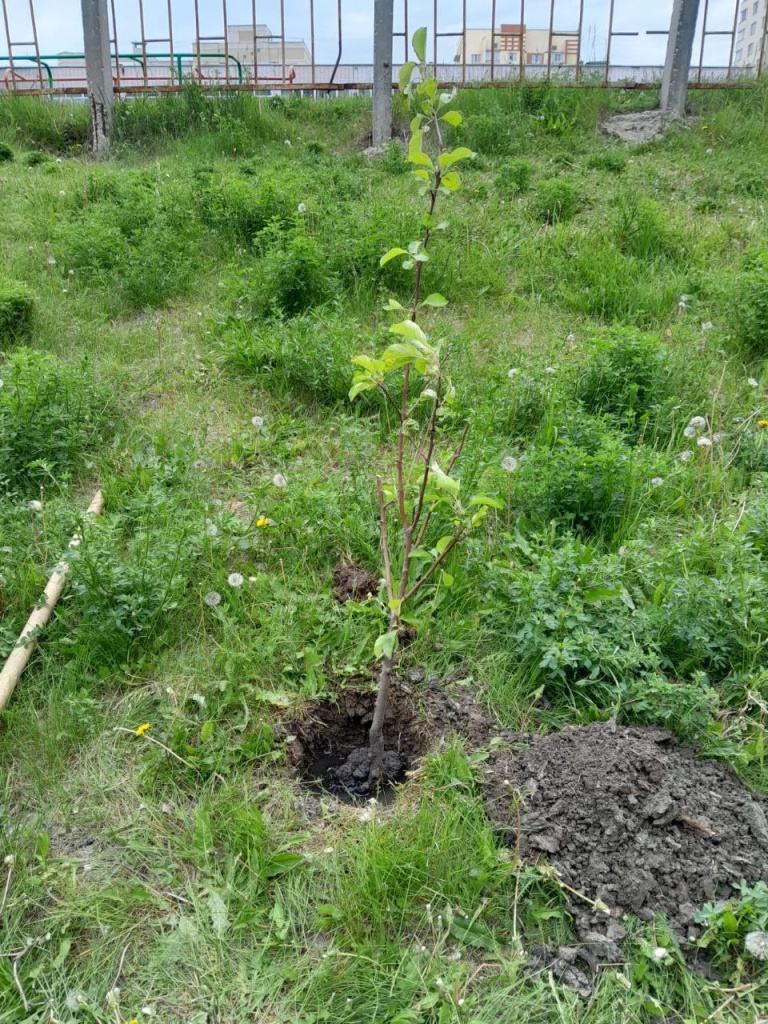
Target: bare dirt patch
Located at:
point(637, 128)
point(630, 817)
point(353, 583)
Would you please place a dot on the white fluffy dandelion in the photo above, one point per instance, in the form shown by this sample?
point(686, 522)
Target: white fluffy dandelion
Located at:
point(752, 382)
point(279, 480)
point(756, 943)
point(51, 261)
point(571, 338)
point(697, 422)
point(686, 456)
point(707, 325)
point(302, 207)
point(211, 530)
point(660, 953)
point(212, 598)
point(509, 463)
point(257, 421)
point(235, 579)
point(704, 442)
point(689, 432)
point(35, 506)
point(657, 481)
point(550, 369)
point(513, 372)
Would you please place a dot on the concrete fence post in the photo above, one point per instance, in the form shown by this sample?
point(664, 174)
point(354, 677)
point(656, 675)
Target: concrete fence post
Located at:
point(674, 83)
point(383, 23)
point(98, 71)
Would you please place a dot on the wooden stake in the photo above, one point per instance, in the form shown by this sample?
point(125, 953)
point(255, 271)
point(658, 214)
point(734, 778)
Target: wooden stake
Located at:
point(40, 617)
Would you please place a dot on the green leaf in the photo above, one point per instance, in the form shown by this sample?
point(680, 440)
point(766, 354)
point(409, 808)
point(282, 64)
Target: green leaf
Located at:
point(393, 304)
point(419, 43)
point(435, 299)
point(359, 387)
point(449, 159)
point(206, 732)
point(447, 579)
point(487, 500)
point(276, 698)
point(61, 956)
point(391, 255)
point(282, 863)
point(279, 920)
point(443, 543)
point(415, 154)
point(451, 181)
point(405, 73)
point(367, 363)
point(396, 604)
point(385, 645)
point(452, 117)
point(217, 908)
point(442, 481)
point(399, 354)
point(409, 329)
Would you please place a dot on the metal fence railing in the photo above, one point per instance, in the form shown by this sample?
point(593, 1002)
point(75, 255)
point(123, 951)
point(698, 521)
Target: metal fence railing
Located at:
point(325, 45)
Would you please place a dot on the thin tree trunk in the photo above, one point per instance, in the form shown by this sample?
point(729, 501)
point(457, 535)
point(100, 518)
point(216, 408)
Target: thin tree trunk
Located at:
point(376, 735)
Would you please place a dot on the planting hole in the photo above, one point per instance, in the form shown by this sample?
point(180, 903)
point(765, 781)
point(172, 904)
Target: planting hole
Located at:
point(330, 746)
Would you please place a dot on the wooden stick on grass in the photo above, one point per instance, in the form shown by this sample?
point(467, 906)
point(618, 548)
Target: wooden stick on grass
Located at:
point(39, 618)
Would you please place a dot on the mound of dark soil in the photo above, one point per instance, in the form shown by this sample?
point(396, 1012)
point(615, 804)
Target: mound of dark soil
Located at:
point(352, 583)
point(630, 817)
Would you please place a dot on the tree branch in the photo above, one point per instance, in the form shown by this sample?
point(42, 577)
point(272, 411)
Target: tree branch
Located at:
point(384, 538)
point(458, 536)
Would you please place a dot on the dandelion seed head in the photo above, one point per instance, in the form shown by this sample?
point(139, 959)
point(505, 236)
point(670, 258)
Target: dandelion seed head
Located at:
point(707, 325)
point(686, 456)
point(752, 382)
point(704, 442)
point(302, 207)
point(571, 338)
point(756, 943)
point(697, 422)
point(35, 506)
point(257, 421)
point(657, 481)
point(513, 372)
point(235, 579)
point(211, 530)
point(689, 432)
point(509, 463)
point(660, 953)
point(51, 261)
point(279, 480)
point(212, 598)
point(550, 369)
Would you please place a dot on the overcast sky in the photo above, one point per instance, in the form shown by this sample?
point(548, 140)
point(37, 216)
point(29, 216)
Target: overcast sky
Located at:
point(58, 24)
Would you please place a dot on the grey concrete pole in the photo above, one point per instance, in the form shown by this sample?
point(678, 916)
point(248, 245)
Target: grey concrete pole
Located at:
point(98, 71)
point(383, 20)
point(674, 84)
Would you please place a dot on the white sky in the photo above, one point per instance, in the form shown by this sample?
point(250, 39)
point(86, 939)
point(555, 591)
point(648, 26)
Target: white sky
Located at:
point(58, 24)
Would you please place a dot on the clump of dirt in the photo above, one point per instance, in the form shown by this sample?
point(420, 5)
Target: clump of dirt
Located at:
point(639, 127)
point(629, 817)
point(352, 583)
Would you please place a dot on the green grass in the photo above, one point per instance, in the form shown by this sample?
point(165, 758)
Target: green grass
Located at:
point(180, 322)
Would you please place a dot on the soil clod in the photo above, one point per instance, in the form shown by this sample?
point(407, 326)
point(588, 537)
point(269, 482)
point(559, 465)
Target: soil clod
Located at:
point(353, 583)
point(630, 817)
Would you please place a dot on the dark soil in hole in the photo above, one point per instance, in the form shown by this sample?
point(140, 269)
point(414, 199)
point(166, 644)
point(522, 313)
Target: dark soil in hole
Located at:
point(330, 749)
point(631, 817)
point(352, 583)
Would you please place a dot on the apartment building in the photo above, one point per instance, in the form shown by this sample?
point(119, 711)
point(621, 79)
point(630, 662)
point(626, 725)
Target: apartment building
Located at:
point(750, 48)
point(513, 44)
point(269, 47)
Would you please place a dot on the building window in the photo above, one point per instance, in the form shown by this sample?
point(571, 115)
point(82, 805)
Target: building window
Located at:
point(475, 58)
point(740, 35)
point(743, 15)
point(755, 6)
point(753, 28)
point(537, 58)
point(738, 55)
point(558, 57)
point(513, 57)
point(750, 49)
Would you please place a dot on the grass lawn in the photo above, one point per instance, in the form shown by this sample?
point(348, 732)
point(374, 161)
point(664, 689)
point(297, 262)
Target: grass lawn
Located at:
point(177, 326)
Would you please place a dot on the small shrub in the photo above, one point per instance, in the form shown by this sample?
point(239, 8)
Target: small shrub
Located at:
point(625, 375)
point(392, 161)
point(36, 157)
point(51, 416)
point(276, 351)
point(16, 311)
point(613, 160)
point(242, 209)
point(293, 276)
point(641, 229)
point(514, 178)
point(752, 311)
point(557, 199)
point(6, 153)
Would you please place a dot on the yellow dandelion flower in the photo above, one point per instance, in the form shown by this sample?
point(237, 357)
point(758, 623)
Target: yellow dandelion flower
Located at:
point(762, 423)
point(262, 521)
point(140, 732)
